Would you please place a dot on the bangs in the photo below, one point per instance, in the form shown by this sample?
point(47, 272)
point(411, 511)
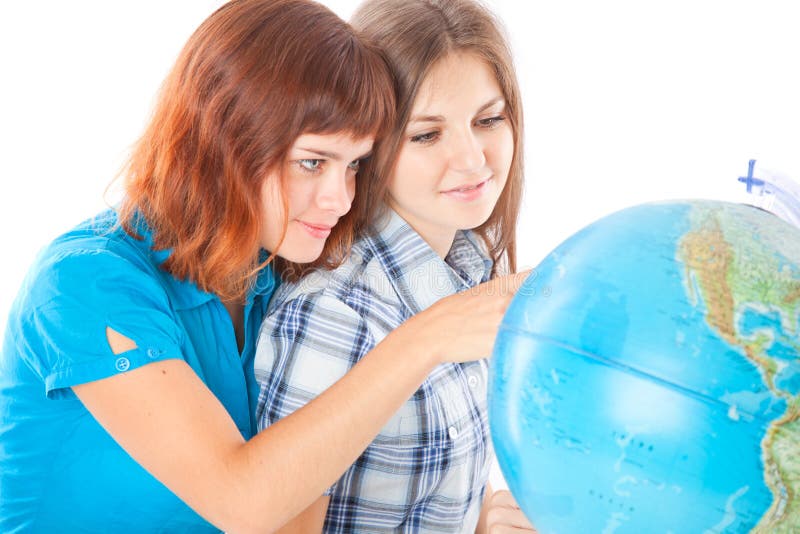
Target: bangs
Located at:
point(350, 90)
point(250, 80)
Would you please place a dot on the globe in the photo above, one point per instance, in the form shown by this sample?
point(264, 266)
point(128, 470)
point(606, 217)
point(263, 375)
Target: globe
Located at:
point(646, 375)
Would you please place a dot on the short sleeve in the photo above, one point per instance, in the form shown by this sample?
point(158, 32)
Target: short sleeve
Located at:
point(304, 347)
point(70, 302)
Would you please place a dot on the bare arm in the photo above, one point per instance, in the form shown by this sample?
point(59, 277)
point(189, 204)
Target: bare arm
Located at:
point(310, 520)
point(194, 448)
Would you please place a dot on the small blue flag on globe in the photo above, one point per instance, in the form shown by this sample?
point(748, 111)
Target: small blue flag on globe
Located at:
point(646, 377)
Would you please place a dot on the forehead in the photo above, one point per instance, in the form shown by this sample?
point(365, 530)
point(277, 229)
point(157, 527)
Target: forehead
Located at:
point(459, 80)
point(345, 143)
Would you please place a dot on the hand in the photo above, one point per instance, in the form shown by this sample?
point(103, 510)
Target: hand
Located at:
point(462, 327)
point(503, 515)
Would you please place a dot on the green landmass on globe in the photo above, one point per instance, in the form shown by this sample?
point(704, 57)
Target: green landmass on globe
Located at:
point(646, 377)
point(723, 274)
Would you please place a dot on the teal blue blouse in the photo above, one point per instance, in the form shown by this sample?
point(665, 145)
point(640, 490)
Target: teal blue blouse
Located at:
point(59, 470)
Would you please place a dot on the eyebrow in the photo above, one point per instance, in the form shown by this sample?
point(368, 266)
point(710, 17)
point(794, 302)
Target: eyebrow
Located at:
point(332, 155)
point(439, 118)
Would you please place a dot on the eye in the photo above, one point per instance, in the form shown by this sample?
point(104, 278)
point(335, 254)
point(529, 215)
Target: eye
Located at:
point(354, 165)
point(425, 138)
point(490, 122)
point(310, 165)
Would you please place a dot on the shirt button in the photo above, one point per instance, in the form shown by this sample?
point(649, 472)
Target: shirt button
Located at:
point(356, 258)
point(472, 381)
point(452, 432)
point(123, 364)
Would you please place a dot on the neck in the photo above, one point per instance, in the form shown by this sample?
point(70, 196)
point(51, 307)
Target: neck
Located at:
point(438, 238)
point(236, 312)
point(440, 241)
point(441, 247)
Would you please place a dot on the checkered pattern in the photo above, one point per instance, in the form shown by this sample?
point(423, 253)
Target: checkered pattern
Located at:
point(426, 470)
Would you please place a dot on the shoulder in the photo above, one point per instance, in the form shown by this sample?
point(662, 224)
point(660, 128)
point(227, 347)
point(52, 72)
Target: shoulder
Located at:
point(323, 293)
point(87, 280)
point(308, 340)
point(326, 284)
point(360, 287)
point(95, 254)
point(95, 270)
point(99, 238)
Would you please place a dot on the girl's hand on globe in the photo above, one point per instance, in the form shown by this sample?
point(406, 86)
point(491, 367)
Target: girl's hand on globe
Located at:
point(503, 516)
point(461, 327)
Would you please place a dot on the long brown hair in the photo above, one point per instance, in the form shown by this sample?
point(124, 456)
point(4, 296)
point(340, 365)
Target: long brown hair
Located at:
point(416, 34)
point(252, 78)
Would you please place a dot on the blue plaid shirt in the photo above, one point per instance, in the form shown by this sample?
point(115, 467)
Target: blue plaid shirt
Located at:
point(427, 469)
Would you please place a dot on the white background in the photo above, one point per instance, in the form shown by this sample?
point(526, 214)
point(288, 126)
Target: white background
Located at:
point(625, 102)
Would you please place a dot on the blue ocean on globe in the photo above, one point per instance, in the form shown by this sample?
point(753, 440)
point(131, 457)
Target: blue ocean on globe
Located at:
point(646, 377)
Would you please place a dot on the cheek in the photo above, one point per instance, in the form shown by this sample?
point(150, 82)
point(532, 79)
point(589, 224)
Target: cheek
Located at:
point(272, 212)
point(402, 194)
point(299, 197)
point(271, 200)
point(392, 186)
point(502, 151)
point(418, 170)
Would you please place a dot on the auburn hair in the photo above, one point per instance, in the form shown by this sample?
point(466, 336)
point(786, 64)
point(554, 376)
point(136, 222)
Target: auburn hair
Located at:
point(252, 78)
point(415, 35)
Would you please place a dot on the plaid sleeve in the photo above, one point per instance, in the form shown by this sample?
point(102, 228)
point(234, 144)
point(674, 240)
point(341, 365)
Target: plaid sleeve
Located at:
point(304, 346)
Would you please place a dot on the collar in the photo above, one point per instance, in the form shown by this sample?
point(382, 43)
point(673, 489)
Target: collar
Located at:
point(419, 276)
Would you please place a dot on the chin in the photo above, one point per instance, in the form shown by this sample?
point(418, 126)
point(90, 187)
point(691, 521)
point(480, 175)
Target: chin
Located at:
point(470, 222)
point(301, 258)
point(300, 255)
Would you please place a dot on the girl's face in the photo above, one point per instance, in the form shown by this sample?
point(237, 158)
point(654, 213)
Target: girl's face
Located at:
point(456, 153)
point(319, 179)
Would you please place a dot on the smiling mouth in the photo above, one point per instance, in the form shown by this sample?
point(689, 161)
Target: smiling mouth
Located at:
point(318, 226)
point(319, 231)
point(468, 188)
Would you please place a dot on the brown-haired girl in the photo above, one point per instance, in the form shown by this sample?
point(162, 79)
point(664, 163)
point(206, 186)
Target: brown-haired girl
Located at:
point(126, 383)
point(442, 199)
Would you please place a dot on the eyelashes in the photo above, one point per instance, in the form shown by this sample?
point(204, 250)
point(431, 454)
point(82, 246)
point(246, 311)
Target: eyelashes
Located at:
point(316, 166)
point(310, 165)
point(427, 138)
point(491, 122)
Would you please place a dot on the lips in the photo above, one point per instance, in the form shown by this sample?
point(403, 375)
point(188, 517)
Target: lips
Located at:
point(316, 230)
point(468, 193)
point(467, 188)
point(317, 226)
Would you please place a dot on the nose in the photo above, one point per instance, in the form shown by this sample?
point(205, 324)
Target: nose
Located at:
point(467, 153)
point(336, 192)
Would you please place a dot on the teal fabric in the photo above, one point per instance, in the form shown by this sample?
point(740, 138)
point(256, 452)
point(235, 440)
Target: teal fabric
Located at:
point(59, 470)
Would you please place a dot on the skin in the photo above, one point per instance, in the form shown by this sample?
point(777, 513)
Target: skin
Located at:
point(320, 181)
point(169, 421)
point(457, 136)
point(319, 178)
point(502, 515)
